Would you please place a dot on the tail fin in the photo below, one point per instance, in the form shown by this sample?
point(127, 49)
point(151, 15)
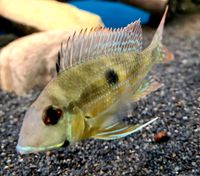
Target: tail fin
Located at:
point(158, 50)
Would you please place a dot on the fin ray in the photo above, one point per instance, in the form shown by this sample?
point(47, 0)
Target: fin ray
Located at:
point(147, 87)
point(89, 44)
point(160, 52)
point(121, 130)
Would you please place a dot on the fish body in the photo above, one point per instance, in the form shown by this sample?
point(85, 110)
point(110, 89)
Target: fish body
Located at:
point(98, 72)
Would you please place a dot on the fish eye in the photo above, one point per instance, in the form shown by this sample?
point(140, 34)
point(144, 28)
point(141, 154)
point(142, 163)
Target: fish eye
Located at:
point(52, 115)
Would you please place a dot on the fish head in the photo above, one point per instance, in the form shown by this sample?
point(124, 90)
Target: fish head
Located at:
point(43, 128)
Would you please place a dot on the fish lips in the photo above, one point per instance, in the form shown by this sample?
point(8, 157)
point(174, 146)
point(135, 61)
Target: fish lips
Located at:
point(29, 149)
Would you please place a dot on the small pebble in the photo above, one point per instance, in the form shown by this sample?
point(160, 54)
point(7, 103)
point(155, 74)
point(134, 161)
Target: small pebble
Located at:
point(161, 136)
point(185, 118)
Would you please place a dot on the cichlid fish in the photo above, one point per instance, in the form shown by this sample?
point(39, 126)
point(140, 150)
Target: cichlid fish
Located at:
point(99, 71)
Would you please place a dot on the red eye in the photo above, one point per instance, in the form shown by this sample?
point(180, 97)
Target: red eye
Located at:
point(52, 115)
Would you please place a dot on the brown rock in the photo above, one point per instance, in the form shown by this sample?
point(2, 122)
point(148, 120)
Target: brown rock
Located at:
point(40, 15)
point(30, 61)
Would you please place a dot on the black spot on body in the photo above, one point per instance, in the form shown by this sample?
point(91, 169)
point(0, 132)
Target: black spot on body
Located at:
point(111, 77)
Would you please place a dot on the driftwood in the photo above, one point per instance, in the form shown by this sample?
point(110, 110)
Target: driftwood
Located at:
point(30, 16)
point(30, 61)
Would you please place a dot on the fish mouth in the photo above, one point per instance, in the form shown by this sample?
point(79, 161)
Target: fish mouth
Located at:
point(30, 149)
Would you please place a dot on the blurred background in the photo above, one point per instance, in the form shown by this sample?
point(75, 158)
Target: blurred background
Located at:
point(114, 13)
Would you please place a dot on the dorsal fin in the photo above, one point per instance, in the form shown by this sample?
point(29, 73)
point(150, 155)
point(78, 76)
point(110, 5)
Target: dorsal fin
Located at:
point(58, 66)
point(89, 44)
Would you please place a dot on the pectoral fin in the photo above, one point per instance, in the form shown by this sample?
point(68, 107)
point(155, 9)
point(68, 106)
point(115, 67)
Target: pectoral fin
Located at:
point(146, 88)
point(120, 130)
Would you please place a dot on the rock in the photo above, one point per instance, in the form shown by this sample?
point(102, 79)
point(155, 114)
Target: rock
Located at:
point(30, 61)
point(36, 15)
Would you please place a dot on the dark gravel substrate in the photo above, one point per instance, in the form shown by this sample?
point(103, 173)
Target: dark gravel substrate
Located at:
point(177, 105)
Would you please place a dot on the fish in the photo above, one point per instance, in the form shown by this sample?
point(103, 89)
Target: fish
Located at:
point(99, 72)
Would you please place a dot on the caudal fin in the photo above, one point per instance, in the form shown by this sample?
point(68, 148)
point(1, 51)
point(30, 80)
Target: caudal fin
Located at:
point(159, 51)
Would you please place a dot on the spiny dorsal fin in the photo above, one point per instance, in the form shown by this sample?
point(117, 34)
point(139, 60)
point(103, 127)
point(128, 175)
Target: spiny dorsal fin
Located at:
point(58, 63)
point(89, 44)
